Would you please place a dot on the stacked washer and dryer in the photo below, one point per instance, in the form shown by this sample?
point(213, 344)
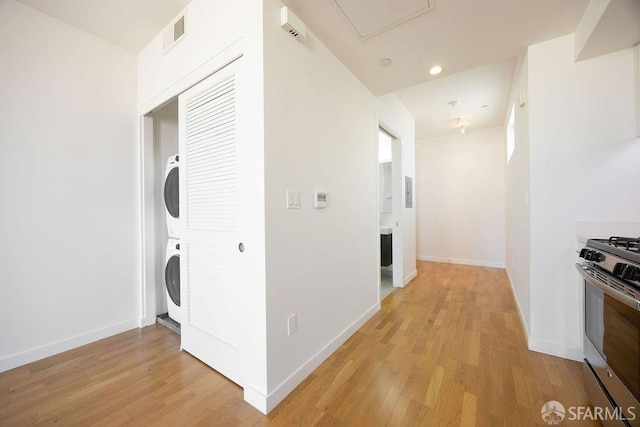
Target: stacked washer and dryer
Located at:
point(172, 258)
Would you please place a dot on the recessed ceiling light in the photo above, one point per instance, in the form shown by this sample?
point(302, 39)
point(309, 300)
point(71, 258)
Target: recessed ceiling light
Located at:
point(435, 70)
point(485, 106)
point(385, 62)
point(453, 103)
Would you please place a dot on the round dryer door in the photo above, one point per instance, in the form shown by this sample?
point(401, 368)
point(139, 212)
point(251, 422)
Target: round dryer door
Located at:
point(171, 193)
point(172, 279)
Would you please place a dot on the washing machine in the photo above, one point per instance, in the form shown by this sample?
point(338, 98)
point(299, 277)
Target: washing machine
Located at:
point(172, 279)
point(171, 196)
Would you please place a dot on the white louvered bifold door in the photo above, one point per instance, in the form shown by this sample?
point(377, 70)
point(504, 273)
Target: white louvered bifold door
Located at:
point(209, 203)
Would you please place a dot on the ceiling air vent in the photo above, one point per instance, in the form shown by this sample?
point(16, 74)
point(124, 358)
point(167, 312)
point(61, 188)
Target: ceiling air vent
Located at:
point(175, 33)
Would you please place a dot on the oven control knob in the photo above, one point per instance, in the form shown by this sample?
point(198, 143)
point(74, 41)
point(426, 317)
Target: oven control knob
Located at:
point(583, 252)
point(631, 273)
point(593, 256)
point(619, 268)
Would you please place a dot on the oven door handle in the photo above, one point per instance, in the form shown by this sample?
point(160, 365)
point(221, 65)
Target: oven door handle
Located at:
point(625, 299)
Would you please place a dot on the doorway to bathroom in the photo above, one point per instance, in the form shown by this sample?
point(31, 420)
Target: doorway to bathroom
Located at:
point(389, 210)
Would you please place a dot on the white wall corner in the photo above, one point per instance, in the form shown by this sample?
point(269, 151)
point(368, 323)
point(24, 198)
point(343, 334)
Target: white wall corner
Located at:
point(256, 399)
point(542, 346)
point(410, 277)
point(607, 26)
point(587, 25)
point(50, 349)
point(520, 315)
point(266, 403)
point(516, 87)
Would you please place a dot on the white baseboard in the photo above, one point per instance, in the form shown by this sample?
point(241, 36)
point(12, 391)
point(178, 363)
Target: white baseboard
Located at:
point(410, 277)
point(256, 399)
point(556, 349)
point(515, 298)
point(479, 263)
point(266, 403)
point(15, 360)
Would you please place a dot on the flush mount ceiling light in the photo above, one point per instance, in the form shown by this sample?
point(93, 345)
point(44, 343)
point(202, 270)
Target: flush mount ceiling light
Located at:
point(435, 70)
point(385, 62)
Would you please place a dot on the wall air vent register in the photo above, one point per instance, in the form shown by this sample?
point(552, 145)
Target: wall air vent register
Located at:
point(174, 33)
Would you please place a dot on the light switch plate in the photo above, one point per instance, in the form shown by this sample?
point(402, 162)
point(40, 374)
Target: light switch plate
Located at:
point(292, 324)
point(293, 199)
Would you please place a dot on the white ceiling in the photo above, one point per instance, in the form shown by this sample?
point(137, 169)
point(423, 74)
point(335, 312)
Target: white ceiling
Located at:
point(476, 43)
point(130, 24)
point(485, 85)
point(458, 34)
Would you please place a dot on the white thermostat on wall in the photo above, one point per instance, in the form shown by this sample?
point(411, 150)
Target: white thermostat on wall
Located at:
point(320, 199)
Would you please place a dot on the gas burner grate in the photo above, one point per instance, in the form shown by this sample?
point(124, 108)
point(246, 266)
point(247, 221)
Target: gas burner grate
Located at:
point(628, 243)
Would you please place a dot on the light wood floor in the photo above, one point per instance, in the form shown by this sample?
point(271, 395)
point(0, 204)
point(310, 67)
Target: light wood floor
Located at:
point(446, 350)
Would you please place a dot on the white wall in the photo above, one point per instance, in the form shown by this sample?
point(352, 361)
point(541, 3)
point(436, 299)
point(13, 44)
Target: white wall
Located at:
point(320, 134)
point(68, 133)
point(393, 114)
point(518, 222)
point(461, 198)
point(216, 32)
point(584, 164)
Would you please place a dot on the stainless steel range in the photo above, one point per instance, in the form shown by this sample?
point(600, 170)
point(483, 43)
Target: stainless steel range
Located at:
point(611, 272)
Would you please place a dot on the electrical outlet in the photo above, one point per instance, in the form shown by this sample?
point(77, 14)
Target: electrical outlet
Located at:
point(292, 324)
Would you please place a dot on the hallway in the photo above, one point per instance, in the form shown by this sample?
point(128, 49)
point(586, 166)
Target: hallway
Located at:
point(448, 348)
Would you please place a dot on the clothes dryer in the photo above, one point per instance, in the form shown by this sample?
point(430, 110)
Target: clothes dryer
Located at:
point(172, 196)
point(172, 279)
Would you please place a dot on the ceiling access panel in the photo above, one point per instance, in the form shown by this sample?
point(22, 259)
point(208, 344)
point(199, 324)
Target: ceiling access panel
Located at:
point(369, 18)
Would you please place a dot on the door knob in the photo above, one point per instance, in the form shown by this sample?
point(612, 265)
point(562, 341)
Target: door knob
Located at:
point(241, 247)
